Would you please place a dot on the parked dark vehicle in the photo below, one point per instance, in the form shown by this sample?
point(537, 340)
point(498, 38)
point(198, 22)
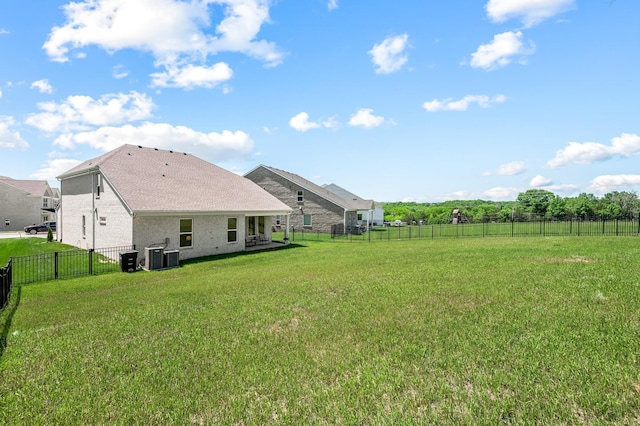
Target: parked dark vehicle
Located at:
point(43, 227)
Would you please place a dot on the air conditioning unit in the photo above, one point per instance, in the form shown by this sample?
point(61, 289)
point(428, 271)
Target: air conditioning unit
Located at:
point(153, 258)
point(171, 258)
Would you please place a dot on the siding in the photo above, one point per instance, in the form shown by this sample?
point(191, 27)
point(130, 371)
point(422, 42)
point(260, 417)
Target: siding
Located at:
point(19, 207)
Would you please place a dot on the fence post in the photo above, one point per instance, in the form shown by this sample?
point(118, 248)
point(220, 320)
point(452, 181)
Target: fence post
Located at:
point(90, 261)
point(55, 265)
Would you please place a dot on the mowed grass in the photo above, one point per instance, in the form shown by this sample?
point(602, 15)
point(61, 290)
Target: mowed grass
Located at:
point(13, 247)
point(512, 331)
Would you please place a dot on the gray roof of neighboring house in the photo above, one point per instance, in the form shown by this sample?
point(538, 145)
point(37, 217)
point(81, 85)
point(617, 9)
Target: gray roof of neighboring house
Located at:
point(336, 199)
point(31, 187)
point(155, 181)
point(338, 190)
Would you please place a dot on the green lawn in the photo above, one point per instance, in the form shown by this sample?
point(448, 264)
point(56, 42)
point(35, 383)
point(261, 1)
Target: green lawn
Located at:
point(449, 331)
point(13, 247)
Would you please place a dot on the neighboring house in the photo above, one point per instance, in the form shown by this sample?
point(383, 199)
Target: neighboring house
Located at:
point(365, 217)
point(314, 207)
point(24, 203)
point(157, 198)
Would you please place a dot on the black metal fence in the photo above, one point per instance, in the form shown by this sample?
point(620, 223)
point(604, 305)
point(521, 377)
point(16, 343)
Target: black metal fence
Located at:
point(5, 283)
point(542, 227)
point(66, 264)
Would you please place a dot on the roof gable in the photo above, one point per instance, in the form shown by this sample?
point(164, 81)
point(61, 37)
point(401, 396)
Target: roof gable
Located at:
point(155, 180)
point(31, 187)
point(317, 189)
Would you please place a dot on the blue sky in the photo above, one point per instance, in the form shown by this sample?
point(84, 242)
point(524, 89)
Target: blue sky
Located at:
point(416, 100)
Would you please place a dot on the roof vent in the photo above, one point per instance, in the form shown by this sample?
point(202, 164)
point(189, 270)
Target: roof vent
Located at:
point(184, 153)
point(155, 149)
point(171, 151)
point(139, 146)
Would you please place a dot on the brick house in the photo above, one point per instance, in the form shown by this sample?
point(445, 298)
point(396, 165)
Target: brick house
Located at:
point(25, 202)
point(314, 208)
point(149, 197)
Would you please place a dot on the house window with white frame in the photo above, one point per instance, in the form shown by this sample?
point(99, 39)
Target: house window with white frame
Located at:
point(300, 196)
point(278, 220)
point(232, 229)
point(186, 233)
point(306, 221)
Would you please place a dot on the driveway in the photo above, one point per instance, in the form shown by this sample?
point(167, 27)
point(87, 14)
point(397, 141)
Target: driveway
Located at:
point(21, 234)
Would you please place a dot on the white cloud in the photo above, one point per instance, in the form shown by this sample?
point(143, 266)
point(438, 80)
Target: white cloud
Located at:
point(0, 93)
point(191, 76)
point(301, 122)
point(389, 56)
point(510, 169)
point(120, 71)
point(177, 33)
point(54, 167)
point(223, 146)
point(10, 139)
point(79, 112)
point(624, 145)
point(530, 12)
point(333, 4)
point(500, 194)
point(43, 86)
point(365, 118)
point(500, 50)
point(539, 181)
point(462, 104)
point(608, 183)
point(3, 31)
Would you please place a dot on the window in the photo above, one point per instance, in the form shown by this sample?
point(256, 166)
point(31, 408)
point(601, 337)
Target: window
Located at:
point(278, 220)
point(261, 225)
point(232, 229)
point(307, 220)
point(45, 203)
point(84, 226)
point(300, 196)
point(98, 185)
point(359, 216)
point(186, 232)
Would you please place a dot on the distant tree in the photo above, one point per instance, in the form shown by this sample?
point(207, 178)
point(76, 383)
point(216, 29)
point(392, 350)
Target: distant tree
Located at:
point(536, 200)
point(557, 208)
point(621, 205)
point(49, 235)
point(583, 206)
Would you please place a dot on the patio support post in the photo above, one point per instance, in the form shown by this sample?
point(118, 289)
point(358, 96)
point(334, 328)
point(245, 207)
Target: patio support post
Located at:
point(286, 231)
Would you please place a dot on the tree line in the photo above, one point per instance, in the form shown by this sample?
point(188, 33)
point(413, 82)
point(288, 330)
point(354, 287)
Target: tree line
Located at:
point(533, 204)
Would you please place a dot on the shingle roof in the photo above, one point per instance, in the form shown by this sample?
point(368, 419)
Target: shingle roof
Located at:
point(31, 187)
point(155, 180)
point(338, 190)
point(319, 190)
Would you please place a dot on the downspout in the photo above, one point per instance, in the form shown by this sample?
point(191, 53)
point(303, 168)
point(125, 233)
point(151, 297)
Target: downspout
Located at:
point(93, 211)
point(59, 216)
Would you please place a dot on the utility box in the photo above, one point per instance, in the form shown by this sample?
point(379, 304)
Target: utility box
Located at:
point(153, 258)
point(171, 258)
point(128, 261)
